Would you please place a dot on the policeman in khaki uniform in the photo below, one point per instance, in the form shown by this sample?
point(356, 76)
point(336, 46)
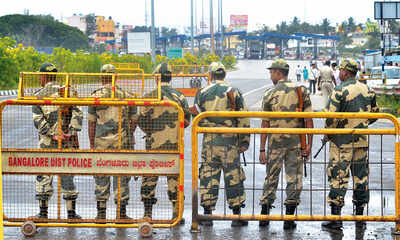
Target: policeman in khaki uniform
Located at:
point(103, 134)
point(283, 97)
point(45, 119)
point(221, 151)
point(161, 127)
point(349, 152)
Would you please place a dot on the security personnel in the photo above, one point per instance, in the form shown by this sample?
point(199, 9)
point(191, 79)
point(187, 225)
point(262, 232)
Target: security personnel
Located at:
point(221, 151)
point(349, 152)
point(45, 119)
point(161, 127)
point(283, 147)
point(326, 81)
point(103, 134)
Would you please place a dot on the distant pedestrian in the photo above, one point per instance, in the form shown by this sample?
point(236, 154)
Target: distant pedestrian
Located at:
point(298, 73)
point(313, 77)
point(336, 73)
point(326, 81)
point(305, 74)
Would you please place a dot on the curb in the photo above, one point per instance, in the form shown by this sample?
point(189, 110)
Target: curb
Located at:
point(9, 93)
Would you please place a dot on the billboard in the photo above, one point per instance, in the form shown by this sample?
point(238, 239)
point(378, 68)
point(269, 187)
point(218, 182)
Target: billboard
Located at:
point(239, 22)
point(139, 42)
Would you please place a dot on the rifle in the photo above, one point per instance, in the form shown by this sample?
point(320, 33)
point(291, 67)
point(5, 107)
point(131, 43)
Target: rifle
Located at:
point(323, 143)
point(302, 136)
point(232, 101)
point(66, 116)
point(326, 138)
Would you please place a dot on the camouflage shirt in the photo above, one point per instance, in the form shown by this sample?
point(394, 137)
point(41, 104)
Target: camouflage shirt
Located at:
point(45, 117)
point(215, 98)
point(351, 96)
point(160, 123)
point(107, 120)
point(283, 98)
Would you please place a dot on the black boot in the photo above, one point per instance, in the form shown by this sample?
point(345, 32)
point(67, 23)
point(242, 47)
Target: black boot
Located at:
point(122, 212)
point(148, 210)
point(175, 213)
point(290, 225)
point(43, 212)
point(71, 210)
point(101, 210)
point(333, 225)
point(238, 223)
point(264, 211)
point(360, 225)
point(207, 211)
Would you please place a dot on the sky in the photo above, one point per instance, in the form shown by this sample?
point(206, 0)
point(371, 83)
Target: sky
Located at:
point(176, 13)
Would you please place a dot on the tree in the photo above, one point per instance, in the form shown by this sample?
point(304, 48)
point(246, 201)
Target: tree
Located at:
point(90, 24)
point(325, 26)
point(42, 31)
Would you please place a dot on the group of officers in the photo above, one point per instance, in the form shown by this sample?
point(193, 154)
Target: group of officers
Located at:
point(219, 151)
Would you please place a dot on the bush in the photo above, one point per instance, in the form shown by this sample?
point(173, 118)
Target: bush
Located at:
point(16, 58)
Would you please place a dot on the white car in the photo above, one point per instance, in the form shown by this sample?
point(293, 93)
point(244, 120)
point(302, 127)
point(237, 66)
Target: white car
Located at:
point(392, 74)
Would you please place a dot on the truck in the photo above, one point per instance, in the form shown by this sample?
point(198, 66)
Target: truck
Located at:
point(372, 59)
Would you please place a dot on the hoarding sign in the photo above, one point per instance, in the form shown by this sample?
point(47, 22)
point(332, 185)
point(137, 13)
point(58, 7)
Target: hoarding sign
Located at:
point(239, 22)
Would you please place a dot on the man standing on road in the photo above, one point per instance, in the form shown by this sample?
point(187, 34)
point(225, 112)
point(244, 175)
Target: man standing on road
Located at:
point(298, 73)
point(221, 151)
point(349, 152)
point(103, 135)
point(161, 127)
point(283, 147)
point(336, 74)
point(326, 81)
point(313, 76)
point(46, 119)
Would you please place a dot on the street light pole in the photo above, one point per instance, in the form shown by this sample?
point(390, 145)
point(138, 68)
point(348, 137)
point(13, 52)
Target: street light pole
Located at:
point(212, 28)
point(191, 26)
point(153, 35)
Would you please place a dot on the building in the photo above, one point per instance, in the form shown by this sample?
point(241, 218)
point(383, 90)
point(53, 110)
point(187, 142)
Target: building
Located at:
point(105, 30)
point(78, 21)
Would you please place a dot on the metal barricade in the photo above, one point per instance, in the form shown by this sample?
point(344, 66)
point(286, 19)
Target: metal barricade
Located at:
point(189, 84)
point(80, 86)
point(186, 69)
point(384, 178)
point(22, 159)
point(372, 76)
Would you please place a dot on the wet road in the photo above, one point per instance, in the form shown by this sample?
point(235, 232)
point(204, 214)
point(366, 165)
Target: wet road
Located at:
point(252, 79)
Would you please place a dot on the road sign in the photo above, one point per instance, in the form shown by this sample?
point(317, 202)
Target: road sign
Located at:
point(175, 53)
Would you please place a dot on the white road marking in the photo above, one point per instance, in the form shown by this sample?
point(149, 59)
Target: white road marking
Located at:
point(257, 89)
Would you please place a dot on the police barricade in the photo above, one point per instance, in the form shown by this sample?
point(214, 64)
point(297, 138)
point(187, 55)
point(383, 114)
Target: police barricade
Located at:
point(140, 155)
point(189, 84)
point(187, 68)
point(126, 65)
point(384, 176)
point(82, 85)
point(372, 76)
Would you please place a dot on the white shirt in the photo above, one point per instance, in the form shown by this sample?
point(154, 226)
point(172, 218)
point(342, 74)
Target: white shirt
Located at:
point(314, 75)
point(299, 71)
point(336, 75)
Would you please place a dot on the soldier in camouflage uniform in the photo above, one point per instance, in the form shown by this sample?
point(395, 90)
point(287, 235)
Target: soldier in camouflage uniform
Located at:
point(161, 127)
point(221, 151)
point(46, 121)
point(349, 152)
point(283, 97)
point(103, 134)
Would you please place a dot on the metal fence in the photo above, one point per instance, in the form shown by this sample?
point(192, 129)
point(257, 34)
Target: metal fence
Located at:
point(24, 158)
point(383, 163)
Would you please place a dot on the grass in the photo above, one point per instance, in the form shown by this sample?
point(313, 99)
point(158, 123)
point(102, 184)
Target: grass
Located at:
point(390, 102)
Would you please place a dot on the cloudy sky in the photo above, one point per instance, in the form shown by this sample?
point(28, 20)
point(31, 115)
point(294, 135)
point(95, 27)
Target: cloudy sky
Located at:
point(176, 13)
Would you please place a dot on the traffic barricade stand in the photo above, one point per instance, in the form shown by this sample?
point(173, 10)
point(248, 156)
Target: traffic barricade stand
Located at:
point(24, 158)
point(79, 86)
point(316, 213)
point(190, 84)
point(189, 68)
point(372, 76)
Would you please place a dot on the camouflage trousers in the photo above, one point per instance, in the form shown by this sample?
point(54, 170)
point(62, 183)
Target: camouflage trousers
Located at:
point(103, 185)
point(44, 187)
point(148, 189)
point(341, 162)
point(214, 159)
point(293, 173)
